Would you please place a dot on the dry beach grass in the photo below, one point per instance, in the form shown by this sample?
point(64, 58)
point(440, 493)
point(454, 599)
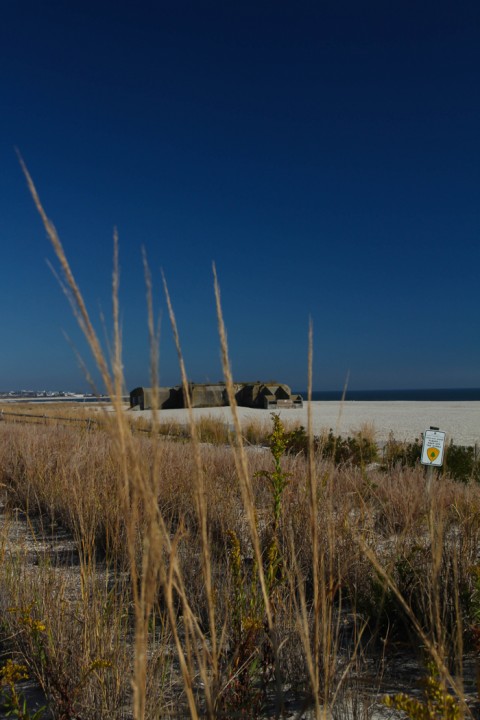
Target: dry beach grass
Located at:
point(208, 580)
point(366, 523)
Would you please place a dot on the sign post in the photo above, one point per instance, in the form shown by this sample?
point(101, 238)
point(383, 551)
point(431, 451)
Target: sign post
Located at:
point(432, 451)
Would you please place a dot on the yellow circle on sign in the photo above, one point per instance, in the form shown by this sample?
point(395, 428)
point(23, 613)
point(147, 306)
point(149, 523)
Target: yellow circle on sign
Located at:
point(433, 453)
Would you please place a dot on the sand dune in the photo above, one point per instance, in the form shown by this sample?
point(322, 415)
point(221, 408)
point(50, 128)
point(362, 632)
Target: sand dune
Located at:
point(405, 419)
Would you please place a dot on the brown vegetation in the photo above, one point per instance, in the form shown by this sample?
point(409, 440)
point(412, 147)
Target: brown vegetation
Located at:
point(72, 619)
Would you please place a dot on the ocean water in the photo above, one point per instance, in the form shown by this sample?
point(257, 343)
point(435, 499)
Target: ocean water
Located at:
point(442, 395)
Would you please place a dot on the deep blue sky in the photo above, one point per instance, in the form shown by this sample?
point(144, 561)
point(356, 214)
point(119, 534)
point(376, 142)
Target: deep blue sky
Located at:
point(326, 155)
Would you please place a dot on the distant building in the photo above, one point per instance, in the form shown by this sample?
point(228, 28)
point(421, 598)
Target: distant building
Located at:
point(269, 395)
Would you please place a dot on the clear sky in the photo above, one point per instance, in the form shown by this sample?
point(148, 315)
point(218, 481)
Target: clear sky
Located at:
point(326, 156)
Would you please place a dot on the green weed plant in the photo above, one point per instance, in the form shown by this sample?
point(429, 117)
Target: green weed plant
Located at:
point(12, 700)
point(437, 703)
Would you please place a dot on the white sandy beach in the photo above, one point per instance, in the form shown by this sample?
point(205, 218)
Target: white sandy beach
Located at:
point(405, 419)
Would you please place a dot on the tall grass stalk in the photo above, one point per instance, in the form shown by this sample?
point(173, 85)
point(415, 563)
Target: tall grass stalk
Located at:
point(209, 659)
point(245, 481)
point(138, 496)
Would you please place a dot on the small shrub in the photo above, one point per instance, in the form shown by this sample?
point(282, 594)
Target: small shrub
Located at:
point(358, 450)
point(405, 454)
point(297, 441)
point(461, 464)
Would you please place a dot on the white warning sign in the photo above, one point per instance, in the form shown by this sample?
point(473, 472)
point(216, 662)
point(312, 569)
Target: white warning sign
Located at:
point(432, 450)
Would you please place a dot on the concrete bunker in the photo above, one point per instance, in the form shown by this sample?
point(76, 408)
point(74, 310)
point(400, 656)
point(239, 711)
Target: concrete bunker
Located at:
point(269, 396)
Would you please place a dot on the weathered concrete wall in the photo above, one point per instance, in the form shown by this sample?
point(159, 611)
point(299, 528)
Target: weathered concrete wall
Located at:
point(137, 398)
point(208, 396)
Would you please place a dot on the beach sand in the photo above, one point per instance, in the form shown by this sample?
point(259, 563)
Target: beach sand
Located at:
point(405, 419)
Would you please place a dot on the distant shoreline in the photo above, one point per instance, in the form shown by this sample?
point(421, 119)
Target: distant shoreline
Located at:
point(430, 395)
point(415, 394)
